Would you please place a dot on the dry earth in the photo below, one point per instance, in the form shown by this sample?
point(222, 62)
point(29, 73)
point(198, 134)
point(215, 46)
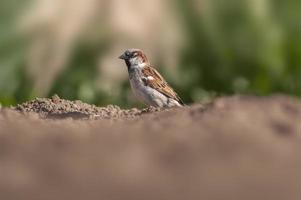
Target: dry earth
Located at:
point(240, 147)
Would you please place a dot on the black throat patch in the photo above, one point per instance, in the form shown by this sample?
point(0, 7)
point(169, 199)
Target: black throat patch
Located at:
point(128, 64)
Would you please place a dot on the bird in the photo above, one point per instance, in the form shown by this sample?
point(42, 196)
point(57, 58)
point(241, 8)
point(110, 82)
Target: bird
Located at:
point(147, 83)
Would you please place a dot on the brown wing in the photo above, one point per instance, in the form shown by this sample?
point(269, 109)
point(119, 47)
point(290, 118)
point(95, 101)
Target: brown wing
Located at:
point(155, 80)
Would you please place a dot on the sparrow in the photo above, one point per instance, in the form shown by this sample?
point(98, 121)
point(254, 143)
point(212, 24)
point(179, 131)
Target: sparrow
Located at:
point(146, 82)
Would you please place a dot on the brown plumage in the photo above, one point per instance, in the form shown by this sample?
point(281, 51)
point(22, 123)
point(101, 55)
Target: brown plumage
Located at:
point(154, 80)
point(147, 84)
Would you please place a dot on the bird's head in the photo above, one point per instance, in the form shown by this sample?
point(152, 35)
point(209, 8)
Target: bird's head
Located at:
point(134, 58)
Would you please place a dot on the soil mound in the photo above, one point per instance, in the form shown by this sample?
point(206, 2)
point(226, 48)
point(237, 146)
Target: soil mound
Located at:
point(240, 147)
point(58, 108)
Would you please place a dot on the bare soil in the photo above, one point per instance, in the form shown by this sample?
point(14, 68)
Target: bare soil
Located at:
point(240, 147)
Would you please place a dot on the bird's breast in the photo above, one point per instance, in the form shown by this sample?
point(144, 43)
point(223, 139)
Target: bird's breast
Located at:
point(135, 80)
point(140, 89)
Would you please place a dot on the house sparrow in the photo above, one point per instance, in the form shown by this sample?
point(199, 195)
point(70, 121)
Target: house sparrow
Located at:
point(146, 82)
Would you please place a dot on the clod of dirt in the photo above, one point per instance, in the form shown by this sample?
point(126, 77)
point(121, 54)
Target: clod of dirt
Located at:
point(57, 108)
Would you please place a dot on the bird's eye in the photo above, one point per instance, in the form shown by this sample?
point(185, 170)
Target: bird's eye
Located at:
point(127, 53)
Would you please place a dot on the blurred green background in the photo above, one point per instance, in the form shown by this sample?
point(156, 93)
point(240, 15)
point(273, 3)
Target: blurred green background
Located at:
point(204, 48)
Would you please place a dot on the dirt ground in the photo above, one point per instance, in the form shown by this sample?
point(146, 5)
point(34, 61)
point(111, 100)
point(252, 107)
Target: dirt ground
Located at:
point(240, 147)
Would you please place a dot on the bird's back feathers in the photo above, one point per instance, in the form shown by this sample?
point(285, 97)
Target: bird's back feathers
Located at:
point(153, 79)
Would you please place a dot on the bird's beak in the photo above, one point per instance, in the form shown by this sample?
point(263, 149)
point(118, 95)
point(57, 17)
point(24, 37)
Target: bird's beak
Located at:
point(123, 57)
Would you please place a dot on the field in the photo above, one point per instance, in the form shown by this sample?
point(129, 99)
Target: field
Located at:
point(239, 147)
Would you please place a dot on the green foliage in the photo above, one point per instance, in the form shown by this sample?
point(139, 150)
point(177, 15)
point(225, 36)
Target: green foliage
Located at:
point(233, 46)
point(12, 75)
point(242, 46)
point(78, 80)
